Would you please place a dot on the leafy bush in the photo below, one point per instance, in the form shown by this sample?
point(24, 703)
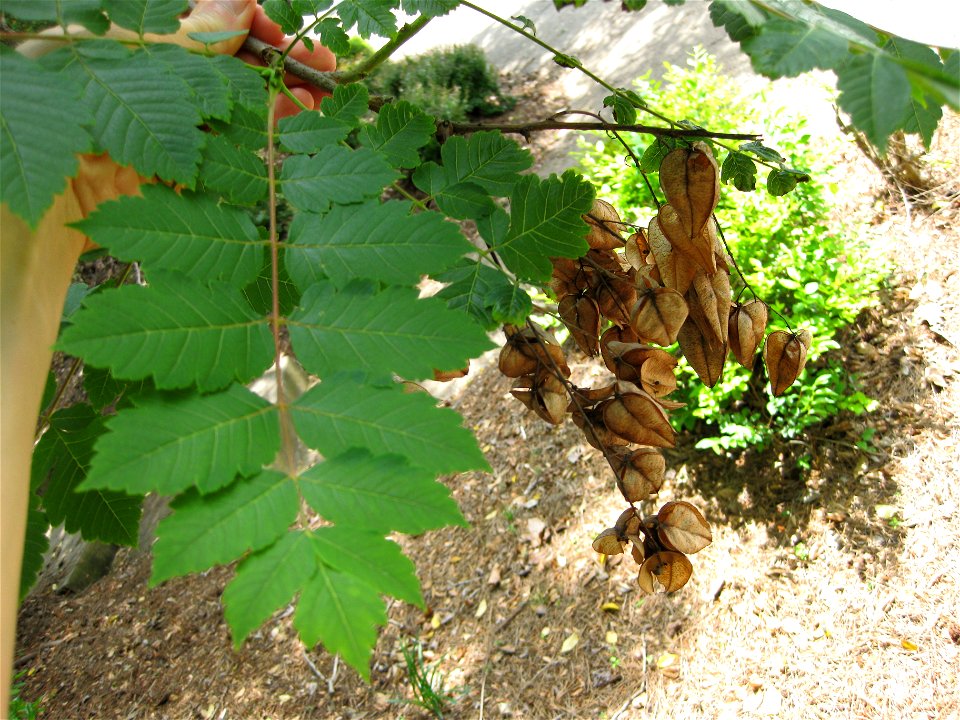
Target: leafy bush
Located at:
point(449, 84)
point(810, 269)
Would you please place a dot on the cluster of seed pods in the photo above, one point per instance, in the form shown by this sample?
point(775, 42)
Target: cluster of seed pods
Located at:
point(626, 300)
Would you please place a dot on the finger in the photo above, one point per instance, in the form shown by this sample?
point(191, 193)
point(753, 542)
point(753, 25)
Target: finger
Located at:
point(265, 29)
point(286, 107)
point(217, 16)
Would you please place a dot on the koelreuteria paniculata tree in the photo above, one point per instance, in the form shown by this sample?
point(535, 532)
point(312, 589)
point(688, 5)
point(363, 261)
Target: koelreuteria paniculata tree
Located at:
point(208, 302)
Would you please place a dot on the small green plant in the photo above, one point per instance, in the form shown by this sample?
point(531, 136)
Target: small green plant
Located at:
point(808, 268)
point(615, 662)
point(450, 84)
point(21, 709)
point(426, 682)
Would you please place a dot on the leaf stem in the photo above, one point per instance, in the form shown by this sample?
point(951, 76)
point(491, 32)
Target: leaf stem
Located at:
point(287, 457)
point(557, 54)
point(381, 55)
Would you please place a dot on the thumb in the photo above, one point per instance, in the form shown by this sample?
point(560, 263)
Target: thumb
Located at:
point(217, 16)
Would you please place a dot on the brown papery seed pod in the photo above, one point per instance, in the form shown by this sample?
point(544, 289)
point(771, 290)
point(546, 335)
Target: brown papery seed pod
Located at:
point(784, 354)
point(628, 524)
point(658, 315)
point(615, 333)
point(513, 363)
point(697, 248)
point(705, 357)
point(627, 360)
point(671, 570)
point(748, 323)
point(682, 528)
point(605, 226)
point(581, 315)
point(641, 474)
point(594, 429)
point(608, 542)
point(690, 178)
point(637, 249)
point(657, 376)
point(638, 418)
point(712, 312)
point(675, 269)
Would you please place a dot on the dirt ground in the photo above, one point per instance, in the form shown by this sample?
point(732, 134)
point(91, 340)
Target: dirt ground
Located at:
point(828, 594)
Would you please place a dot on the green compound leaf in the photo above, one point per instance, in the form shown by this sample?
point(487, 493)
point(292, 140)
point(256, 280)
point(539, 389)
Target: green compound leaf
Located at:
point(339, 414)
point(356, 328)
point(235, 172)
point(40, 134)
point(61, 461)
point(511, 304)
point(370, 558)
point(875, 92)
point(192, 234)
point(400, 131)
point(378, 493)
point(782, 181)
point(624, 111)
point(740, 170)
point(372, 17)
point(335, 174)
point(177, 331)
point(655, 153)
point(247, 127)
point(246, 85)
point(430, 8)
point(785, 48)
point(310, 132)
point(103, 390)
point(35, 545)
point(266, 581)
point(62, 12)
point(473, 288)
point(333, 37)
point(343, 613)
point(209, 86)
point(168, 444)
point(487, 159)
point(143, 115)
point(347, 104)
point(461, 200)
point(284, 14)
point(209, 38)
point(146, 16)
point(259, 293)
point(545, 222)
point(762, 151)
point(381, 241)
point(217, 529)
point(923, 114)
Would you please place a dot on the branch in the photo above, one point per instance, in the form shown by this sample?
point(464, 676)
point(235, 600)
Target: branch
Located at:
point(551, 124)
point(323, 80)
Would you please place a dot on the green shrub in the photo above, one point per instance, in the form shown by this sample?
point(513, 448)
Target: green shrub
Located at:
point(450, 84)
point(808, 268)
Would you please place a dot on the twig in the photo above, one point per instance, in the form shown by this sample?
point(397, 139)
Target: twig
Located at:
point(551, 124)
point(512, 617)
point(313, 667)
point(333, 673)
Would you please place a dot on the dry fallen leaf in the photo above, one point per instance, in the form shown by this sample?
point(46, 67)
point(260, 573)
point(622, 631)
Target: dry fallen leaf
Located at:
point(569, 643)
point(481, 609)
